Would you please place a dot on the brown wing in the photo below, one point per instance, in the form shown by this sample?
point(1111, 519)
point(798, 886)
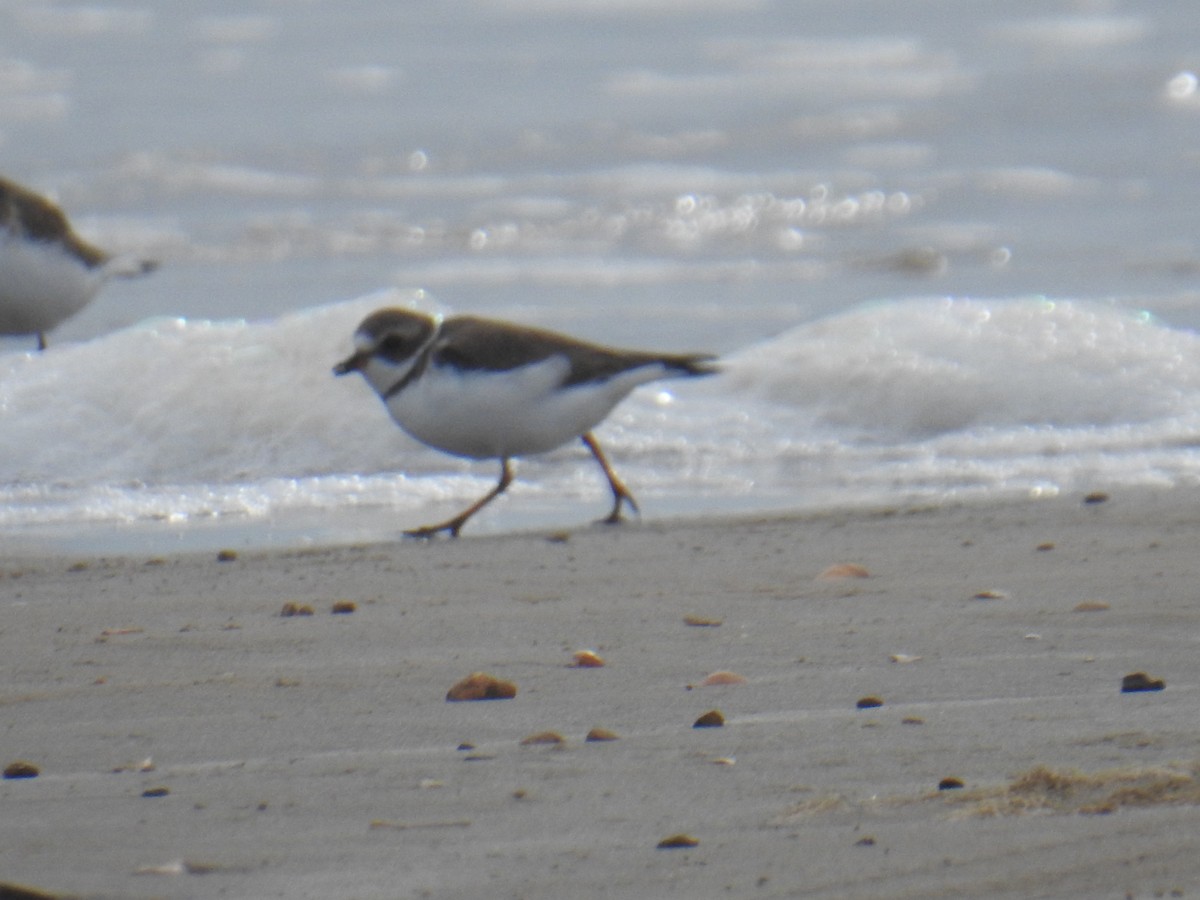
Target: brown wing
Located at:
point(25, 213)
point(472, 343)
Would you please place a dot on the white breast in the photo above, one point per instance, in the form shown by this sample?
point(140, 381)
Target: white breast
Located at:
point(484, 414)
point(41, 284)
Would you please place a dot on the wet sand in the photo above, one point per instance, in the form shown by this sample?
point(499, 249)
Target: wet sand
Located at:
point(191, 741)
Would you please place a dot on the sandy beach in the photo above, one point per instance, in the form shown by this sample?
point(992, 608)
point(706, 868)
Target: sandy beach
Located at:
point(192, 741)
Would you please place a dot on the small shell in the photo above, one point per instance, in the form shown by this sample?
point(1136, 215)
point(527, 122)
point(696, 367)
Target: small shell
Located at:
point(1091, 606)
point(543, 737)
point(723, 677)
point(989, 595)
point(676, 841)
point(482, 686)
point(844, 570)
point(586, 659)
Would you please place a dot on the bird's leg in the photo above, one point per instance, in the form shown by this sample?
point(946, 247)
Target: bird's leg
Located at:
point(453, 526)
point(620, 492)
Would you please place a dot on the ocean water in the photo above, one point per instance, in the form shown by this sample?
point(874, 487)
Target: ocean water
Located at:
point(947, 251)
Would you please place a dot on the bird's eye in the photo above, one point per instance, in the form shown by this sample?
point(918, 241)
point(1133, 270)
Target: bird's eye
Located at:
point(395, 348)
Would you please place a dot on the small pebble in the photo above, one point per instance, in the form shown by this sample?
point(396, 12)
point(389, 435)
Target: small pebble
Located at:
point(343, 607)
point(701, 621)
point(1139, 681)
point(156, 792)
point(295, 609)
point(950, 784)
point(601, 734)
point(21, 769)
point(711, 719)
point(869, 702)
point(226, 555)
point(1095, 497)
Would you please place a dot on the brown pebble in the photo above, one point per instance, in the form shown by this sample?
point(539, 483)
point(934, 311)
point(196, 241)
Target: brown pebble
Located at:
point(156, 792)
point(912, 720)
point(481, 686)
point(1140, 681)
point(465, 745)
point(844, 570)
point(1096, 497)
point(711, 719)
point(950, 784)
point(602, 734)
point(295, 609)
point(867, 841)
point(677, 841)
point(989, 595)
point(701, 621)
point(20, 769)
point(226, 555)
point(1091, 606)
point(543, 737)
point(869, 702)
point(586, 659)
point(723, 677)
point(343, 607)
point(1045, 546)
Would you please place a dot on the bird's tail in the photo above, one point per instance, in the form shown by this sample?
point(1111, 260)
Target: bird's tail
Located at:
point(692, 364)
point(128, 266)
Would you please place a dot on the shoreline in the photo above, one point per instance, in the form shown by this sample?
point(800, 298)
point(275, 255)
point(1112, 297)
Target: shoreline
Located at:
point(316, 755)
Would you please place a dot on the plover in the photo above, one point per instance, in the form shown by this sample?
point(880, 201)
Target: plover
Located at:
point(47, 272)
point(486, 389)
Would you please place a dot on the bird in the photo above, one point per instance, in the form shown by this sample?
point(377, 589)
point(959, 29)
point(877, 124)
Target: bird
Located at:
point(488, 389)
point(48, 272)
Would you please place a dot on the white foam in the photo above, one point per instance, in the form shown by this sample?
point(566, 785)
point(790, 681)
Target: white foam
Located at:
point(185, 421)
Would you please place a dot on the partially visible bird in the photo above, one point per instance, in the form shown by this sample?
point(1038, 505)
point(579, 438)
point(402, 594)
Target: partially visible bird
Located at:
point(487, 389)
point(47, 272)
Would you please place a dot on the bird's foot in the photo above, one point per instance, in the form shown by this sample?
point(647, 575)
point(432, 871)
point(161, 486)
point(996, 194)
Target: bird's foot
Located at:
point(615, 517)
point(426, 532)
